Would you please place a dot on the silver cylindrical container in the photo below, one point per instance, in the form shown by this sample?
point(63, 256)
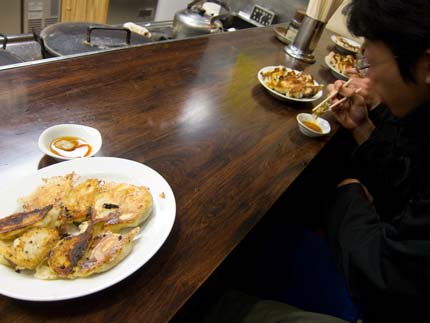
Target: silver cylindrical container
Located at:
point(306, 40)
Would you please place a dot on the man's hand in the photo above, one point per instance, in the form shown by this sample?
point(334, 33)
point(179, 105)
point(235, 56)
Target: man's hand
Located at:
point(371, 98)
point(351, 114)
point(356, 181)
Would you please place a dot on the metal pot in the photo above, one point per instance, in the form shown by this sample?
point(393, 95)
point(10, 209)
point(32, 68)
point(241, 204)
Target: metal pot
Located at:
point(75, 38)
point(194, 21)
point(7, 58)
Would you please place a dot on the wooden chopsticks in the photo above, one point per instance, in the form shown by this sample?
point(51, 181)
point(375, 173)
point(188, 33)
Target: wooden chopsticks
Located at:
point(336, 104)
point(330, 97)
point(324, 106)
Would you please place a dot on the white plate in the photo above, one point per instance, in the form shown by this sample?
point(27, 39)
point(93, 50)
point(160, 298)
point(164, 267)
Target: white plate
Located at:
point(280, 34)
point(282, 96)
point(152, 236)
point(334, 70)
point(342, 47)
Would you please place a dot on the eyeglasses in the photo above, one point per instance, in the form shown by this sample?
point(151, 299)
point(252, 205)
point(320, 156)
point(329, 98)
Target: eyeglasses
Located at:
point(362, 66)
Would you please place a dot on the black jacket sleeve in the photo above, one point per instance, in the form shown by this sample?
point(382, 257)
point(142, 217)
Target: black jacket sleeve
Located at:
point(385, 169)
point(383, 247)
point(381, 267)
point(381, 115)
point(392, 162)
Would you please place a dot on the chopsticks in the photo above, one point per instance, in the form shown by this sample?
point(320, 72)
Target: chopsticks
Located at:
point(337, 103)
point(324, 106)
point(322, 10)
point(330, 97)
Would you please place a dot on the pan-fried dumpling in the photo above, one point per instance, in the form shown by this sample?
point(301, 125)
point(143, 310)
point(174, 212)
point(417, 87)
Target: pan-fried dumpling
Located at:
point(122, 206)
point(30, 249)
point(80, 199)
point(52, 192)
point(17, 223)
point(65, 255)
point(105, 252)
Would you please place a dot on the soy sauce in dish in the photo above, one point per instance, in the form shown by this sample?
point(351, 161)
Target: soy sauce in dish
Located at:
point(313, 126)
point(71, 147)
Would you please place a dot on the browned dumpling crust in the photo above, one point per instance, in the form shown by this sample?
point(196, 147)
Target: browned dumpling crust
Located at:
point(291, 83)
point(88, 228)
point(123, 206)
point(52, 192)
point(65, 255)
point(17, 223)
point(80, 199)
point(106, 251)
point(30, 249)
point(342, 62)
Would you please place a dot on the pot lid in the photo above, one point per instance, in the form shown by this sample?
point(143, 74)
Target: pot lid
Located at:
point(71, 38)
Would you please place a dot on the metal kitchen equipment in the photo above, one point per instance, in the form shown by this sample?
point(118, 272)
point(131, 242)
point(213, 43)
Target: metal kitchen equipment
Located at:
point(194, 21)
point(38, 14)
point(28, 47)
point(293, 27)
point(6, 57)
point(306, 40)
point(318, 13)
point(74, 38)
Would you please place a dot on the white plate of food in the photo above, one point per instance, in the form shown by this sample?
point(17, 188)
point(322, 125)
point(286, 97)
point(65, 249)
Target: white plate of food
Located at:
point(339, 63)
point(346, 45)
point(289, 85)
point(153, 232)
point(281, 33)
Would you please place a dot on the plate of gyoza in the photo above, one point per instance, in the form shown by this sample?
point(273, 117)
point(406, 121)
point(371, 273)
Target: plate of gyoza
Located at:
point(339, 63)
point(80, 226)
point(346, 45)
point(289, 85)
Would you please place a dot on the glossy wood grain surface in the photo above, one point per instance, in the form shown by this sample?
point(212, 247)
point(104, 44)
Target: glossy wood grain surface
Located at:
point(194, 111)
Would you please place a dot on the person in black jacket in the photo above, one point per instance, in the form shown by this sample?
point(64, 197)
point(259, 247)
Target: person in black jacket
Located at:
point(379, 222)
point(379, 219)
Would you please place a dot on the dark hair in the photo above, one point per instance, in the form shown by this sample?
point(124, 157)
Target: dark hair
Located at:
point(402, 25)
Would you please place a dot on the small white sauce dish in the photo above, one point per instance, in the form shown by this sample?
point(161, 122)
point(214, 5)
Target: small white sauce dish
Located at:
point(90, 135)
point(323, 124)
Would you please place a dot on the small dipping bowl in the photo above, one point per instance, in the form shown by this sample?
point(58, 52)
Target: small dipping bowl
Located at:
point(324, 125)
point(89, 135)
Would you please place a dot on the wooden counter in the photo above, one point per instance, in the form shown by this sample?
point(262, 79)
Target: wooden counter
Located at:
point(195, 112)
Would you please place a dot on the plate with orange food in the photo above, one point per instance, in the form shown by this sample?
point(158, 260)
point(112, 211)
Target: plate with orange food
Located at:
point(58, 252)
point(289, 85)
point(339, 64)
point(346, 45)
